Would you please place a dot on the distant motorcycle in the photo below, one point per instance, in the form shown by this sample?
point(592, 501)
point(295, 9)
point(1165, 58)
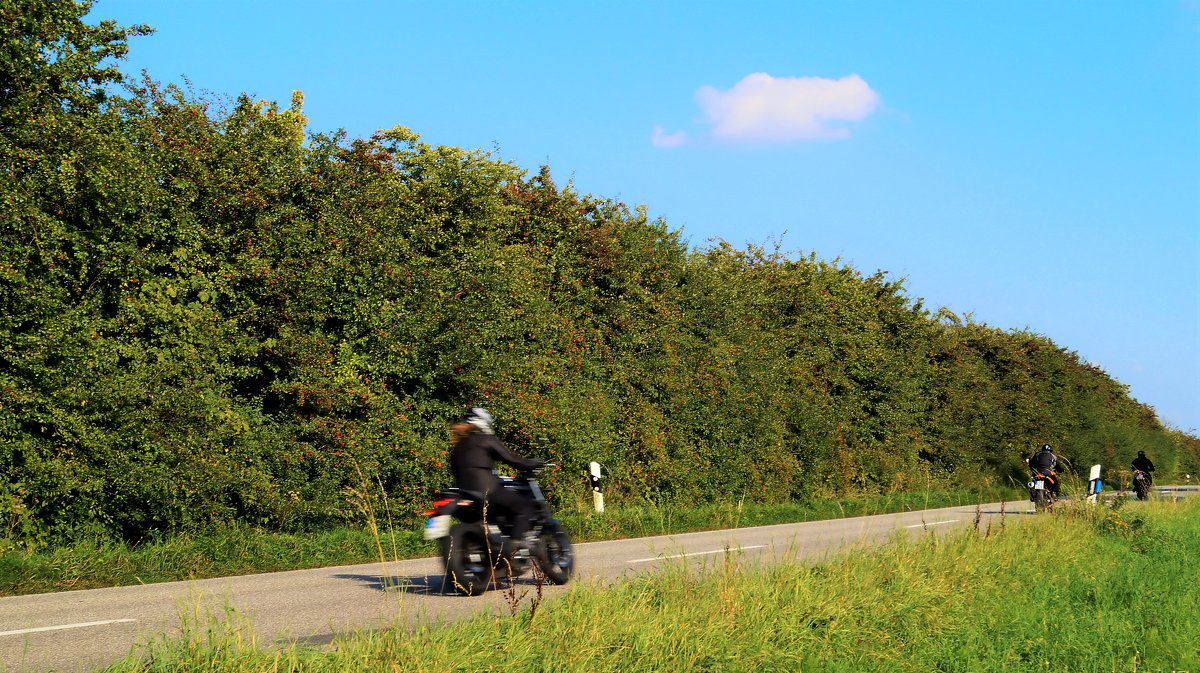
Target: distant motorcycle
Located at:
point(479, 549)
point(1041, 489)
point(1141, 484)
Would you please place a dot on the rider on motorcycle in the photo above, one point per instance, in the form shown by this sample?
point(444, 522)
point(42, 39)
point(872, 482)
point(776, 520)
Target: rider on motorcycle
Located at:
point(1045, 462)
point(1143, 463)
point(473, 456)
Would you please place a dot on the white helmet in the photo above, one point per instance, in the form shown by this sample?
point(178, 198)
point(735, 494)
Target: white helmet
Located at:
point(480, 418)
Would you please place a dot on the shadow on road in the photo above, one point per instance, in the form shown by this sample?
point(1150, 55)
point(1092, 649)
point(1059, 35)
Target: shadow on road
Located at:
point(316, 640)
point(423, 585)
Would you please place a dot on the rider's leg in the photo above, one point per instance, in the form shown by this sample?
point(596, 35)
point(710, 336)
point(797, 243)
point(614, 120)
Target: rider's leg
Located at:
point(520, 508)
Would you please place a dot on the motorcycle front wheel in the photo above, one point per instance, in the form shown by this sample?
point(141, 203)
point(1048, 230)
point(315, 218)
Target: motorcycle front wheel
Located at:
point(558, 559)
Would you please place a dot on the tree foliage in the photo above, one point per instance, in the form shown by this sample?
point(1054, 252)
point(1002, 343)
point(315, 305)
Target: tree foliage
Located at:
point(211, 317)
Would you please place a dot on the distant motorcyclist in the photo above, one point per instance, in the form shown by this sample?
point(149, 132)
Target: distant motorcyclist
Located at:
point(1145, 465)
point(1046, 463)
point(474, 453)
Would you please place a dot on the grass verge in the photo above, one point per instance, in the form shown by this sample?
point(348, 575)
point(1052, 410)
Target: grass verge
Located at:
point(245, 550)
point(1088, 589)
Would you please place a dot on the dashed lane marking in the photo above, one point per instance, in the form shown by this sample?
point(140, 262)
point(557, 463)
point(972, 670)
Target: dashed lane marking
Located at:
point(61, 627)
point(932, 523)
point(695, 553)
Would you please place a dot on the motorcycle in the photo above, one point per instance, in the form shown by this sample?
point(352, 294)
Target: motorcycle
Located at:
point(1141, 484)
point(1041, 489)
point(479, 550)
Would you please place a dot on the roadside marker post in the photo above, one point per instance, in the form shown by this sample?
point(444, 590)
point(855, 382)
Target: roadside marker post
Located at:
point(1094, 484)
point(597, 494)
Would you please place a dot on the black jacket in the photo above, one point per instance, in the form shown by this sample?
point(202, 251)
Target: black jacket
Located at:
point(1044, 460)
point(473, 460)
point(1142, 463)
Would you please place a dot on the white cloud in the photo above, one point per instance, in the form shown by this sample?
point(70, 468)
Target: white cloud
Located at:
point(765, 108)
point(664, 139)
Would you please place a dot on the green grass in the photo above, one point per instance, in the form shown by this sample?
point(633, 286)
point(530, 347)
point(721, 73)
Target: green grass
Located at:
point(1088, 589)
point(245, 550)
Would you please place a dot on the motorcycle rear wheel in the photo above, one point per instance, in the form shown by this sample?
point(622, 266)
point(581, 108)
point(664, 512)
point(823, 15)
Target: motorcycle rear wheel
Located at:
point(467, 559)
point(1041, 499)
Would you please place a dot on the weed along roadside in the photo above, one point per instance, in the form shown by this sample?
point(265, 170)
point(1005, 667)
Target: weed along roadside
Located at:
point(1085, 588)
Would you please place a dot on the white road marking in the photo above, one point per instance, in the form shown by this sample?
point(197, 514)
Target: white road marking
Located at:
point(697, 553)
point(932, 523)
point(65, 626)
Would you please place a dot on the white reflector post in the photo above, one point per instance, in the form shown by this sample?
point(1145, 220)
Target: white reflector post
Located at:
point(1094, 484)
point(597, 494)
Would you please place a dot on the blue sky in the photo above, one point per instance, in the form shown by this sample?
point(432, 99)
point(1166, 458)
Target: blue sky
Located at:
point(1036, 164)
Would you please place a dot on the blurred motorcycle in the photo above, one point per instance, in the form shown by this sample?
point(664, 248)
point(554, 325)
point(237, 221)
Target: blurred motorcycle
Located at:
point(479, 548)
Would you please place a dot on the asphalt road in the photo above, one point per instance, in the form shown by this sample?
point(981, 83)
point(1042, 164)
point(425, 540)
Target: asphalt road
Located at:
point(83, 630)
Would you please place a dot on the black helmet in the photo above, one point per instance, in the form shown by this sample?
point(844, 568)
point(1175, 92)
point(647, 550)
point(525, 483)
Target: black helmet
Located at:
point(1141, 453)
point(1046, 447)
point(479, 417)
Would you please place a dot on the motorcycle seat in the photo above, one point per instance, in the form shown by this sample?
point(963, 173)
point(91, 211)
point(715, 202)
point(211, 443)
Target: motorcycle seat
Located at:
point(465, 492)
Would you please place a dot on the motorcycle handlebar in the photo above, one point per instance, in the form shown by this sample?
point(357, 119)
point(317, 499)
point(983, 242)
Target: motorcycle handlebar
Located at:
point(535, 470)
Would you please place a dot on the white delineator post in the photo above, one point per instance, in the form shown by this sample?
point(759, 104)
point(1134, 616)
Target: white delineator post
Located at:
point(1094, 484)
point(597, 495)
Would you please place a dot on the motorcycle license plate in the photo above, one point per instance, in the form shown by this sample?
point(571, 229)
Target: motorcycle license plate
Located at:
point(437, 526)
point(1039, 485)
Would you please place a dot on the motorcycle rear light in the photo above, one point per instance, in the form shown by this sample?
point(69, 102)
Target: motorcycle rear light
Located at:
point(438, 504)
